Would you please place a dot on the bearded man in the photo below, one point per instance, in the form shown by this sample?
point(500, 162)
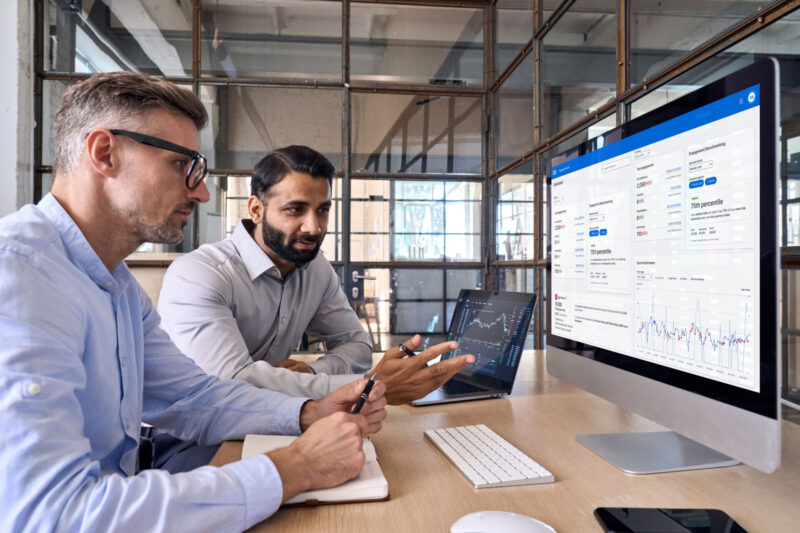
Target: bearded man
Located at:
point(238, 307)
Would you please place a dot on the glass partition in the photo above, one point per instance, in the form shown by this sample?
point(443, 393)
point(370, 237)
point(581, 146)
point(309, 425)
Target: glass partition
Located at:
point(664, 32)
point(580, 65)
point(394, 43)
point(416, 134)
point(104, 36)
point(513, 30)
point(514, 117)
point(515, 203)
point(272, 38)
point(248, 122)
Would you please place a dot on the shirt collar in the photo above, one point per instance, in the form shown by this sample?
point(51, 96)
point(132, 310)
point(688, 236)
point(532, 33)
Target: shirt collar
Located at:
point(81, 252)
point(255, 259)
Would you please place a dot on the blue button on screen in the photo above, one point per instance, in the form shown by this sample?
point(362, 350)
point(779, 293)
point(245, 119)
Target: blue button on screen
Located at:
point(711, 181)
point(593, 233)
point(695, 184)
point(603, 231)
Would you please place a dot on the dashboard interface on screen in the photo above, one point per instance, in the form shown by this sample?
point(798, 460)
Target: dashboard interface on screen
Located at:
point(654, 244)
point(492, 327)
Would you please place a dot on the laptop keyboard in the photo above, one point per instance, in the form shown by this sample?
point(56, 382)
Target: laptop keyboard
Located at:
point(459, 387)
point(486, 458)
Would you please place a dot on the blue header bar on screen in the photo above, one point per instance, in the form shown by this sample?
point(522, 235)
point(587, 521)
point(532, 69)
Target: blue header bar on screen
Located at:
point(729, 105)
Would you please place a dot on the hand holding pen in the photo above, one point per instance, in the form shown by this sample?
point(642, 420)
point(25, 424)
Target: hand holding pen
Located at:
point(364, 395)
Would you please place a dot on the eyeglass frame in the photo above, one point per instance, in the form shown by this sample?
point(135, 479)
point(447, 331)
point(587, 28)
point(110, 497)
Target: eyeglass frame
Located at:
point(149, 140)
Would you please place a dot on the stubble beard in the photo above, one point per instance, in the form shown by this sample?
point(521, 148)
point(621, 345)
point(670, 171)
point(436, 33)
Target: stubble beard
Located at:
point(166, 233)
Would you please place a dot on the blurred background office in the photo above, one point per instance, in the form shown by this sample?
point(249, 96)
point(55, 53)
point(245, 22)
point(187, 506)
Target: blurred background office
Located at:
point(440, 118)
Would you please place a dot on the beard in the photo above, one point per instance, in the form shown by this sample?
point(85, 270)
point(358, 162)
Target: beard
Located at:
point(278, 242)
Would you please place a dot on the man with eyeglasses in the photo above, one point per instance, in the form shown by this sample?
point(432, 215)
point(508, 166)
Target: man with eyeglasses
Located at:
point(83, 360)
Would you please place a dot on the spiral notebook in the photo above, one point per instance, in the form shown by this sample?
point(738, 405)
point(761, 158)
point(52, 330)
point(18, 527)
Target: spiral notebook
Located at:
point(369, 485)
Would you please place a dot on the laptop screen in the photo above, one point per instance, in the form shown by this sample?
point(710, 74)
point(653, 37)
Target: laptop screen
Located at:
point(492, 326)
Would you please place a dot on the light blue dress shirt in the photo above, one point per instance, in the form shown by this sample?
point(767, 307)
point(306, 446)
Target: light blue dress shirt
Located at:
point(83, 362)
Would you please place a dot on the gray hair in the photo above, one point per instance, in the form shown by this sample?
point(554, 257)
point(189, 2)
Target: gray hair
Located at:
point(115, 100)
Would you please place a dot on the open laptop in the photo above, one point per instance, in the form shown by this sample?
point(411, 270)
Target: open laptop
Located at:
point(492, 326)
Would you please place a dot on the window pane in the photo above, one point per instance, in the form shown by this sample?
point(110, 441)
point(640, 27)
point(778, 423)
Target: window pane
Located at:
point(434, 312)
point(370, 222)
point(461, 279)
point(463, 217)
point(52, 91)
point(419, 284)
point(792, 226)
point(515, 204)
point(419, 247)
point(580, 65)
point(416, 44)
point(514, 120)
point(792, 141)
point(419, 190)
point(514, 30)
point(419, 216)
point(663, 32)
point(463, 247)
point(419, 317)
point(278, 38)
point(519, 280)
point(775, 40)
point(792, 354)
point(463, 190)
point(248, 122)
point(102, 36)
point(405, 133)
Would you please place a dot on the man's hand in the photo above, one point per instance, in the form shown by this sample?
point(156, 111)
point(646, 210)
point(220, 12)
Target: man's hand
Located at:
point(327, 454)
point(295, 366)
point(343, 399)
point(409, 378)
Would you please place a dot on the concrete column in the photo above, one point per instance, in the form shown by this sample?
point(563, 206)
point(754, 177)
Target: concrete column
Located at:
point(16, 105)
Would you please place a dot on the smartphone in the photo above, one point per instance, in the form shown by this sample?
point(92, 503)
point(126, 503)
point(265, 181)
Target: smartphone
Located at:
point(652, 520)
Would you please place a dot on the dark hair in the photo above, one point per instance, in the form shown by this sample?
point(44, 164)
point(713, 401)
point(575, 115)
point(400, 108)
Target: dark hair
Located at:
point(112, 100)
point(277, 164)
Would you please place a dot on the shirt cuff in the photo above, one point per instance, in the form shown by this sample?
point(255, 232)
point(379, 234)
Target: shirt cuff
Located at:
point(261, 485)
point(287, 417)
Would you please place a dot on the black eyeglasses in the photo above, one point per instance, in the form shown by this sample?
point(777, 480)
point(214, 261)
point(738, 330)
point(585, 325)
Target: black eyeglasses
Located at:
point(198, 169)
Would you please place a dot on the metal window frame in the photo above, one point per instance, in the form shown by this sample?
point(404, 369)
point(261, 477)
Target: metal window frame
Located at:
point(790, 255)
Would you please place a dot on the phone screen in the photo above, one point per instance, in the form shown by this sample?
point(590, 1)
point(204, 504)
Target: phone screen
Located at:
point(652, 520)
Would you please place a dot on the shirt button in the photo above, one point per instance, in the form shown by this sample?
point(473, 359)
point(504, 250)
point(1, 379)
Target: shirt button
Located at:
point(127, 425)
point(122, 362)
point(34, 389)
point(283, 320)
point(109, 284)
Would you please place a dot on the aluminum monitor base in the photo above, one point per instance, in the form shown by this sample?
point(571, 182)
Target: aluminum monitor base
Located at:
point(653, 452)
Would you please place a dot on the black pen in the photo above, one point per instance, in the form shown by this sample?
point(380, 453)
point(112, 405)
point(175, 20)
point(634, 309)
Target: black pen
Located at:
point(364, 395)
point(406, 350)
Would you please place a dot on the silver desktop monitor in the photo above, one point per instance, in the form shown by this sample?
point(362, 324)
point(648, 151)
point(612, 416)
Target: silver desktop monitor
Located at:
point(662, 290)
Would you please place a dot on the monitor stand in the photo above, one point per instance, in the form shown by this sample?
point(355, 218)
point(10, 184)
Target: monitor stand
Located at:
point(653, 452)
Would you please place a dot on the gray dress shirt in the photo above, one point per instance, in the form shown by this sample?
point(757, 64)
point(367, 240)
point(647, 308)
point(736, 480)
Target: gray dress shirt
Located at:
point(226, 306)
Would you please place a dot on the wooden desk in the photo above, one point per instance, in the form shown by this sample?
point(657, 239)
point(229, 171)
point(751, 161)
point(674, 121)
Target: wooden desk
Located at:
point(542, 418)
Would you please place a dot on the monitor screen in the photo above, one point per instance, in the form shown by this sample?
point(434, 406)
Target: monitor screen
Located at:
point(663, 245)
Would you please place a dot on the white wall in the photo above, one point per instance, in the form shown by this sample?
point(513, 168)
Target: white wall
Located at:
point(16, 105)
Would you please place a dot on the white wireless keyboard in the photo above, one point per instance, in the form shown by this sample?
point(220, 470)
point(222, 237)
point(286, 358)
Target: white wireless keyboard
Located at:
point(486, 458)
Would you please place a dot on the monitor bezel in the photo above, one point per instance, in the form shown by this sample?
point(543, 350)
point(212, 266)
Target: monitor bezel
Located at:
point(764, 402)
